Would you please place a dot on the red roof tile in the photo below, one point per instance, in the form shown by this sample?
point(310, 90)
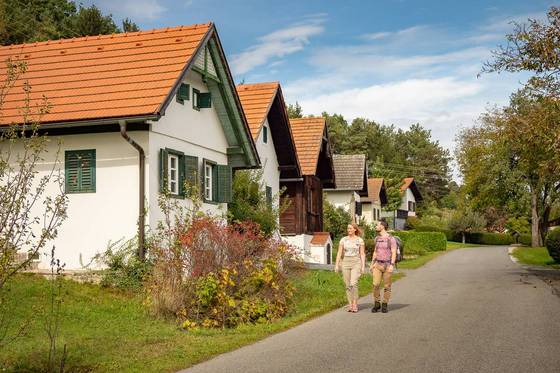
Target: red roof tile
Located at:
point(320, 238)
point(256, 100)
point(95, 77)
point(406, 183)
point(308, 135)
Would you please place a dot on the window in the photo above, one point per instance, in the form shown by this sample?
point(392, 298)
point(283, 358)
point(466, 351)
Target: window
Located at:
point(208, 181)
point(411, 206)
point(79, 171)
point(177, 170)
point(183, 93)
point(173, 174)
point(265, 134)
point(201, 100)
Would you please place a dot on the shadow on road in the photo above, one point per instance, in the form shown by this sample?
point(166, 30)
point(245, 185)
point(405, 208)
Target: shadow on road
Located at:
point(392, 306)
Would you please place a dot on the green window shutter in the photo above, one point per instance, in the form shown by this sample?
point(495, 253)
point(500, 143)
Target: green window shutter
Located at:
point(163, 170)
point(181, 175)
point(269, 196)
point(204, 100)
point(265, 134)
point(183, 93)
point(215, 184)
point(191, 171)
point(223, 177)
point(79, 168)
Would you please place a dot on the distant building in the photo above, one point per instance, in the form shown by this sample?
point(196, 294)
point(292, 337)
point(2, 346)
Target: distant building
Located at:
point(374, 201)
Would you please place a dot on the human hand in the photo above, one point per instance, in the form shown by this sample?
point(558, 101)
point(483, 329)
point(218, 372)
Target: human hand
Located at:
point(336, 268)
point(390, 268)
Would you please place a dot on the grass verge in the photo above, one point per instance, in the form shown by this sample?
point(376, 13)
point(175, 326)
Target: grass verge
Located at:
point(106, 330)
point(537, 256)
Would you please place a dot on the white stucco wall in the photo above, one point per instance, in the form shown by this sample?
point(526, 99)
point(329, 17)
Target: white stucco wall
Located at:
point(108, 214)
point(193, 132)
point(269, 161)
point(367, 212)
point(302, 243)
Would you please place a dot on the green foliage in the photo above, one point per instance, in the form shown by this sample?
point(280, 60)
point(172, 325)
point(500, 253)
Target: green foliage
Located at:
point(535, 256)
point(335, 219)
point(129, 26)
point(249, 202)
point(466, 221)
point(525, 239)
point(553, 244)
point(294, 111)
point(517, 226)
point(124, 270)
point(420, 243)
point(40, 20)
point(486, 238)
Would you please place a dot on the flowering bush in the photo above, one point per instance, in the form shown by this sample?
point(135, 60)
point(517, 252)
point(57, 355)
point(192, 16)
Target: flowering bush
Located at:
point(219, 275)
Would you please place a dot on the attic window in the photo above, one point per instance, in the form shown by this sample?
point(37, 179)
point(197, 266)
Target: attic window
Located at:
point(265, 134)
point(183, 93)
point(201, 100)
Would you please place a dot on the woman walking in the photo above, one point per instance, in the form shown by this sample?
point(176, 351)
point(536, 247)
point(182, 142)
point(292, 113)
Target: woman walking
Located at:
point(382, 265)
point(351, 257)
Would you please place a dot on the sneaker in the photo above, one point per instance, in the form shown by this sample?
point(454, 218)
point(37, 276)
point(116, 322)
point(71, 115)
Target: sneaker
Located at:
point(376, 307)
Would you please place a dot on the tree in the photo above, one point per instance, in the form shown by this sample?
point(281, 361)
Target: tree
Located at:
point(533, 47)
point(249, 202)
point(129, 26)
point(29, 215)
point(512, 156)
point(465, 221)
point(23, 21)
point(336, 219)
point(294, 111)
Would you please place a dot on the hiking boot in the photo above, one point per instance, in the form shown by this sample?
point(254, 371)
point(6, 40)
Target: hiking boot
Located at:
point(376, 307)
point(384, 308)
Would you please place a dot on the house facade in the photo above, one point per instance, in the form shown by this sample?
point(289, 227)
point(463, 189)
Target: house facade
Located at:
point(138, 114)
point(374, 202)
point(410, 196)
point(351, 184)
point(265, 110)
point(303, 196)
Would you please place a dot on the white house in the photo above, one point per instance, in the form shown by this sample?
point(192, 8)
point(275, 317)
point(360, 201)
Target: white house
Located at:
point(351, 183)
point(137, 113)
point(376, 199)
point(410, 196)
point(266, 114)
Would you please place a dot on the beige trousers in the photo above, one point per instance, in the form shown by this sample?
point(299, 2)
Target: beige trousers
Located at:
point(380, 272)
point(351, 272)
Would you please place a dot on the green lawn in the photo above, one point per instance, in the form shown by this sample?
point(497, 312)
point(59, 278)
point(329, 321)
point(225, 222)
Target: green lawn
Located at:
point(106, 330)
point(458, 245)
point(535, 256)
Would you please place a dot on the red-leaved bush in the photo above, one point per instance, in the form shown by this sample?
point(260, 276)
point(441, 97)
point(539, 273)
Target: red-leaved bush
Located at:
point(211, 274)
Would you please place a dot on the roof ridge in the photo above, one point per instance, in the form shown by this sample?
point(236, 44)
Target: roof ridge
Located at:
point(108, 36)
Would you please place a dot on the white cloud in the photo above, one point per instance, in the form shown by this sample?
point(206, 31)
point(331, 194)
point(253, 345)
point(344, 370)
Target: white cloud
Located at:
point(404, 33)
point(277, 44)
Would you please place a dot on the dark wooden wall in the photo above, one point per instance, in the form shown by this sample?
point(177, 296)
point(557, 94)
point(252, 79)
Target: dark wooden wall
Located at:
point(305, 211)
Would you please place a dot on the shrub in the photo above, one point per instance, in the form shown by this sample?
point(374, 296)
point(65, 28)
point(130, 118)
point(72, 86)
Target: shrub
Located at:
point(485, 238)
point(218, 275)
point(525, 239)
point(419, 243)
point(124, 270)
point(335, 219)
point(553, 244)
point(412, 222)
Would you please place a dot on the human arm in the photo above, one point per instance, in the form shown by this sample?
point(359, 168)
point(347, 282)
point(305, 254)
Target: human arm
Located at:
point(338, 256)
point(393, 254)
point(363, 255)
point(373, 256)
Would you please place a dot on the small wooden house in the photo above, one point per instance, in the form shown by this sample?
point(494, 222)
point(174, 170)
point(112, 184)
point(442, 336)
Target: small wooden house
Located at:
point(304, 215)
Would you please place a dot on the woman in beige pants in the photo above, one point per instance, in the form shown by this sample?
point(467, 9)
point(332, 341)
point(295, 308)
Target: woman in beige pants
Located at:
point(351, 258)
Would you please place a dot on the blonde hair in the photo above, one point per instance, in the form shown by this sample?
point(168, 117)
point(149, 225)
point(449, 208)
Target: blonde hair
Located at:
point(358, 230)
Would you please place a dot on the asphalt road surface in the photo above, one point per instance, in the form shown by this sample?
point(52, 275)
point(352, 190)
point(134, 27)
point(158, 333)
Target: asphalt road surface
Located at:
point(470, 310)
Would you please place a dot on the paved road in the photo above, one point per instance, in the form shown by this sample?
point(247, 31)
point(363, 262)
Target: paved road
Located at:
point(471, 310)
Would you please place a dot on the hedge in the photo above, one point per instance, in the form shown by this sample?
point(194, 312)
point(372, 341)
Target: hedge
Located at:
point(525, 239)
point(419, 243)
point(485, 238)
point(553, 244)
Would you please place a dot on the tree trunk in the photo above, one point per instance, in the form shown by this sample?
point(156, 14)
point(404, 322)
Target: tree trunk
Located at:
point(535, 234)
point(463, 233)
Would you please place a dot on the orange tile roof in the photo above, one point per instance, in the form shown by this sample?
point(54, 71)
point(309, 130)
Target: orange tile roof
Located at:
point(308, 135)
point(256, 100)
point(406, 183)
point(107, 76)
point(374, 190)
point(320, 238)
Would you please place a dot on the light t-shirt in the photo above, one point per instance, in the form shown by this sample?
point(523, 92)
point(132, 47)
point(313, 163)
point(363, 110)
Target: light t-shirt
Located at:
point(350, 246)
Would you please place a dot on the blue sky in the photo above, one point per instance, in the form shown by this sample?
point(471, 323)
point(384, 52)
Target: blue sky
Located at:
point(394, 61)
